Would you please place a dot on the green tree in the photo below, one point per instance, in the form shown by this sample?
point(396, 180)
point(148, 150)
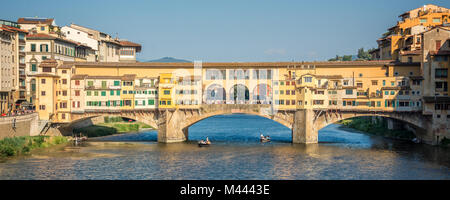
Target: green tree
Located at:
point(364, 55)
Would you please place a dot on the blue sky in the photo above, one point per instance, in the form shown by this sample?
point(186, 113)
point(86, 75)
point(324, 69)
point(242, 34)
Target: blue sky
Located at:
point(230, 30)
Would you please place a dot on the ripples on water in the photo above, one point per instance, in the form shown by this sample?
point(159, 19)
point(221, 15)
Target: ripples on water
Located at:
point(236, 154)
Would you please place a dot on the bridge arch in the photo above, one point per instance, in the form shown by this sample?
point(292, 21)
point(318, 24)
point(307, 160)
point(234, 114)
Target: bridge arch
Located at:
point(175, 124)
point(80, 120)
point(415, 121)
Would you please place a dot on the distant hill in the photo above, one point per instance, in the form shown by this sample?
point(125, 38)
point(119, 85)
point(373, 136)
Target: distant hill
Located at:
point(170, 60)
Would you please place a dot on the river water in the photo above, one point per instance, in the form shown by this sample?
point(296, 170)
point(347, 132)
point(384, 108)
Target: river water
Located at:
point(236, 153)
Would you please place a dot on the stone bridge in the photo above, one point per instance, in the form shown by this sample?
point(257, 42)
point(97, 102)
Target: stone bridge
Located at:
point(173, 124)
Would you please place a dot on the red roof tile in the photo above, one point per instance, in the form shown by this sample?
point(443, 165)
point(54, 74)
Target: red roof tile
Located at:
point(34, 21)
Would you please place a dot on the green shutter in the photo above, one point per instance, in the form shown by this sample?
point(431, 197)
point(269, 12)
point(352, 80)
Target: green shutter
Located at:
point(111, 92)
point(103, 93)
point(118, 92)
point(143, 102)
point(88, 93)
point(116, 83)
point(103, 84)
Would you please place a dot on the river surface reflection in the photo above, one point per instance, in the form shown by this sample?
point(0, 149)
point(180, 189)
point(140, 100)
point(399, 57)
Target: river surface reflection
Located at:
point(235, 154)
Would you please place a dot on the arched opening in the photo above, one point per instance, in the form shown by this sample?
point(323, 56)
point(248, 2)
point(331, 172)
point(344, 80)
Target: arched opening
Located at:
point(98, 126)
point(366, 130)
point(239, 128)
point(240, 94)
point(215, 94)
point(262, 94)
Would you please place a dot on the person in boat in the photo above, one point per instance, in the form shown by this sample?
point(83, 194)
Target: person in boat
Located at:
point(267, 137)
point(262, 137)
point(207, 141)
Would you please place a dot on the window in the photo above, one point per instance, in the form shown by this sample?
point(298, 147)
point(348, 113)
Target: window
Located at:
point(77, 82)
point(33, 68)
point(151, 102)
point(436, 20)
point(88, 93)
point(44, 57)
point(167, 92)
point(360, 74)
point(359, 85)
point(308, 79)
point(103, 93)
point(386, 92)
point(374, 82)
point(95, 93)
point(346, 82)
point(392, 92)
point(65, 93)
point(441, 73)
point(42, 28)
point(42, 93)
point(77, 92)
point(348, 91)
point(423, 20)
point(103, 84)
point(116, 83)
point(111, 92)
point(46, 69)
point(64, 81)
point(33, 47)
point(90, 83)
point(42, 107)
point(43, 81)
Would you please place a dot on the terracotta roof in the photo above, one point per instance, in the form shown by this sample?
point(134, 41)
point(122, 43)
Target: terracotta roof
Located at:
point(440, 53)
point(376, 63)
point(34, 21)
point(6, 29)
point(329, 76)
point(44, 75)
point(49, 63)
point(103, 77)
point(416, 52)
point(128, 77)
point(131, 44)
point(50, 37)
point(65, 67)
point(15, 29)
point(79, 76)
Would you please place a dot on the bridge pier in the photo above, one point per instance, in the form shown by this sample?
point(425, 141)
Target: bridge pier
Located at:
point(303, 128)
point(170, 128)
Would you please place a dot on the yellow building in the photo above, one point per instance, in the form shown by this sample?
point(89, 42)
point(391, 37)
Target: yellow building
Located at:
point(166, 90)
point(127, 95)
point(403, 41)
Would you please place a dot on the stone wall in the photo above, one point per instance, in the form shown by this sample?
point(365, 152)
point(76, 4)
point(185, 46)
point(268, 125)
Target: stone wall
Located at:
point(25, 125)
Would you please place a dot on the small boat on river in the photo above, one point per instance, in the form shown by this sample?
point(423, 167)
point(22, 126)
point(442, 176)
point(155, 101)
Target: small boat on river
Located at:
point(204, 143)
point(264, 138)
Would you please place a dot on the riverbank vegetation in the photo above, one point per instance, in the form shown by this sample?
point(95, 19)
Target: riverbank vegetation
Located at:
point(23, 145)
point(111, 126)
point(376, 126)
